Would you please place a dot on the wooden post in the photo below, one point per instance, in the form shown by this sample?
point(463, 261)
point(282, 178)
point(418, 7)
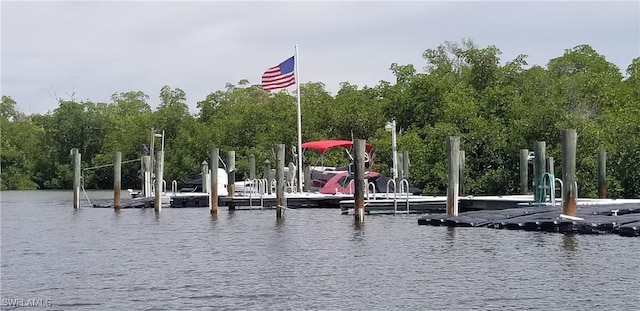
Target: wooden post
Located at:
point(453, 152)
point(602, 174)
point(205, 181)
point(231, 171)
point(267, 174)
point(252, 166)
point(117, 181)
point(152, 152)
point(461, 173)
point(213, 197)
point(306, 167)
point(569, 195)
point(77, 161)
point(279, 180)
point(539, 167)
point(400, 169)
point(146, 176)
point(359, 183)
point(157, 204)
point(524, 171)
point(405, 163)
point(550, 167)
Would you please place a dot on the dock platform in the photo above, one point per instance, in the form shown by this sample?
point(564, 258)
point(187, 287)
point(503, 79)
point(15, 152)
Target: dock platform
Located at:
point(375, 203)
point(383, 204)
point(592, 217)
point(292, 200)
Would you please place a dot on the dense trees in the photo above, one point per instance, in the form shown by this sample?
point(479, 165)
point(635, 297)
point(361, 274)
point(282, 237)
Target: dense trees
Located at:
point(497, 107)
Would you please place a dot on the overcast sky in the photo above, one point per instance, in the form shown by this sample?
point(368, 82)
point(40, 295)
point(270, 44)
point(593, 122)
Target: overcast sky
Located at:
point(94, 49)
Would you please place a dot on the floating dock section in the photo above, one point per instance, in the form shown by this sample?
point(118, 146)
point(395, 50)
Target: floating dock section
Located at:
point(619, 217)
point(402, 204)
point(292, 200)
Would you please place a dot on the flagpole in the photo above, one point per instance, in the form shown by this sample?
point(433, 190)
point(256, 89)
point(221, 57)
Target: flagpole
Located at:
point(299, 122)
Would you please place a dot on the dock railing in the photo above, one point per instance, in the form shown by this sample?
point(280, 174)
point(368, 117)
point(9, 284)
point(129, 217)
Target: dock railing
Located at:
point(257, 187)
point(397, 193)
point(546, 184)
point(575, 184)
point(370, 194)
point(404, 190)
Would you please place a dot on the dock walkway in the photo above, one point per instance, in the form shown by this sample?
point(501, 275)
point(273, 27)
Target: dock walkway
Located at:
point(609, 216)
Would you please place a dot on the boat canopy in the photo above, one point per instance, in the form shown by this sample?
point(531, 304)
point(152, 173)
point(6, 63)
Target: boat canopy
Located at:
point(323, 145)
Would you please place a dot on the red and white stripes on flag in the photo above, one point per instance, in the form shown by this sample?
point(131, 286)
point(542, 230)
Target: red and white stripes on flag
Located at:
point(280, 76)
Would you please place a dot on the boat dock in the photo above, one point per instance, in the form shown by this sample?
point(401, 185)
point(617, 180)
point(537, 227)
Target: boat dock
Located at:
point(243, 201)
point(592, 217)
point(292, 200)
point(385, 203)
point(401, 204)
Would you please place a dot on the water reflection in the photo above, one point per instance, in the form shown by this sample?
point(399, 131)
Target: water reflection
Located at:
point(451, 234)
point(570, 244)
point(357, 234)
point(116, 215)
point(231, 214)
point(539, 239)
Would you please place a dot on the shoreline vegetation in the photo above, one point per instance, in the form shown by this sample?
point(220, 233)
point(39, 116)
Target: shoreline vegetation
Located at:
point(463, 90)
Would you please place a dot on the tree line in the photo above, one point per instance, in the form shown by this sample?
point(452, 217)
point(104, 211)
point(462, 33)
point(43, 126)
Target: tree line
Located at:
point(497, 108)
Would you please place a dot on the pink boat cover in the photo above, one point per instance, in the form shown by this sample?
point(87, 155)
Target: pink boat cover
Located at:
point(323, 145)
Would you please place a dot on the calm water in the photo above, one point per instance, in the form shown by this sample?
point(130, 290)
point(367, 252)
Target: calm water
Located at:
point(183, 259)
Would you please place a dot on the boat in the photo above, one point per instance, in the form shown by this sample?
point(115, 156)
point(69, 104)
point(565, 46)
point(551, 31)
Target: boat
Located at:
point(321, 174)
point(375, 182)
point(333, 180)
point(195, 184)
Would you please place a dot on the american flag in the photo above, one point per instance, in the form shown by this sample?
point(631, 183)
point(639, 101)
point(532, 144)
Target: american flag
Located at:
point(280, 76)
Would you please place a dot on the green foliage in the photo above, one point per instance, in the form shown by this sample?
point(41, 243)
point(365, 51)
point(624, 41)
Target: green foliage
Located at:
point(496, 107)
point(20, 144)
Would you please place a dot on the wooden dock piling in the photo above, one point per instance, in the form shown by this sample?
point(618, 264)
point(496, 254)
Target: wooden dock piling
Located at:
point(157, 203)
point(405, 163)
point(453, 152)
point(204, 174)
point(524, 171)
point(461, 173)
point(266, 174)
point(602, 174)
point(306, 167)
point(400, 169)
point(213, 197)
point(359, 183)
point(152, 152)
point(231, 171)
point(279, 180)
point(539, 167)
point(570, 193)
point(77, 164)
point(252, 166)
point(117, 181)
point(146, 176)
point(552, 183)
